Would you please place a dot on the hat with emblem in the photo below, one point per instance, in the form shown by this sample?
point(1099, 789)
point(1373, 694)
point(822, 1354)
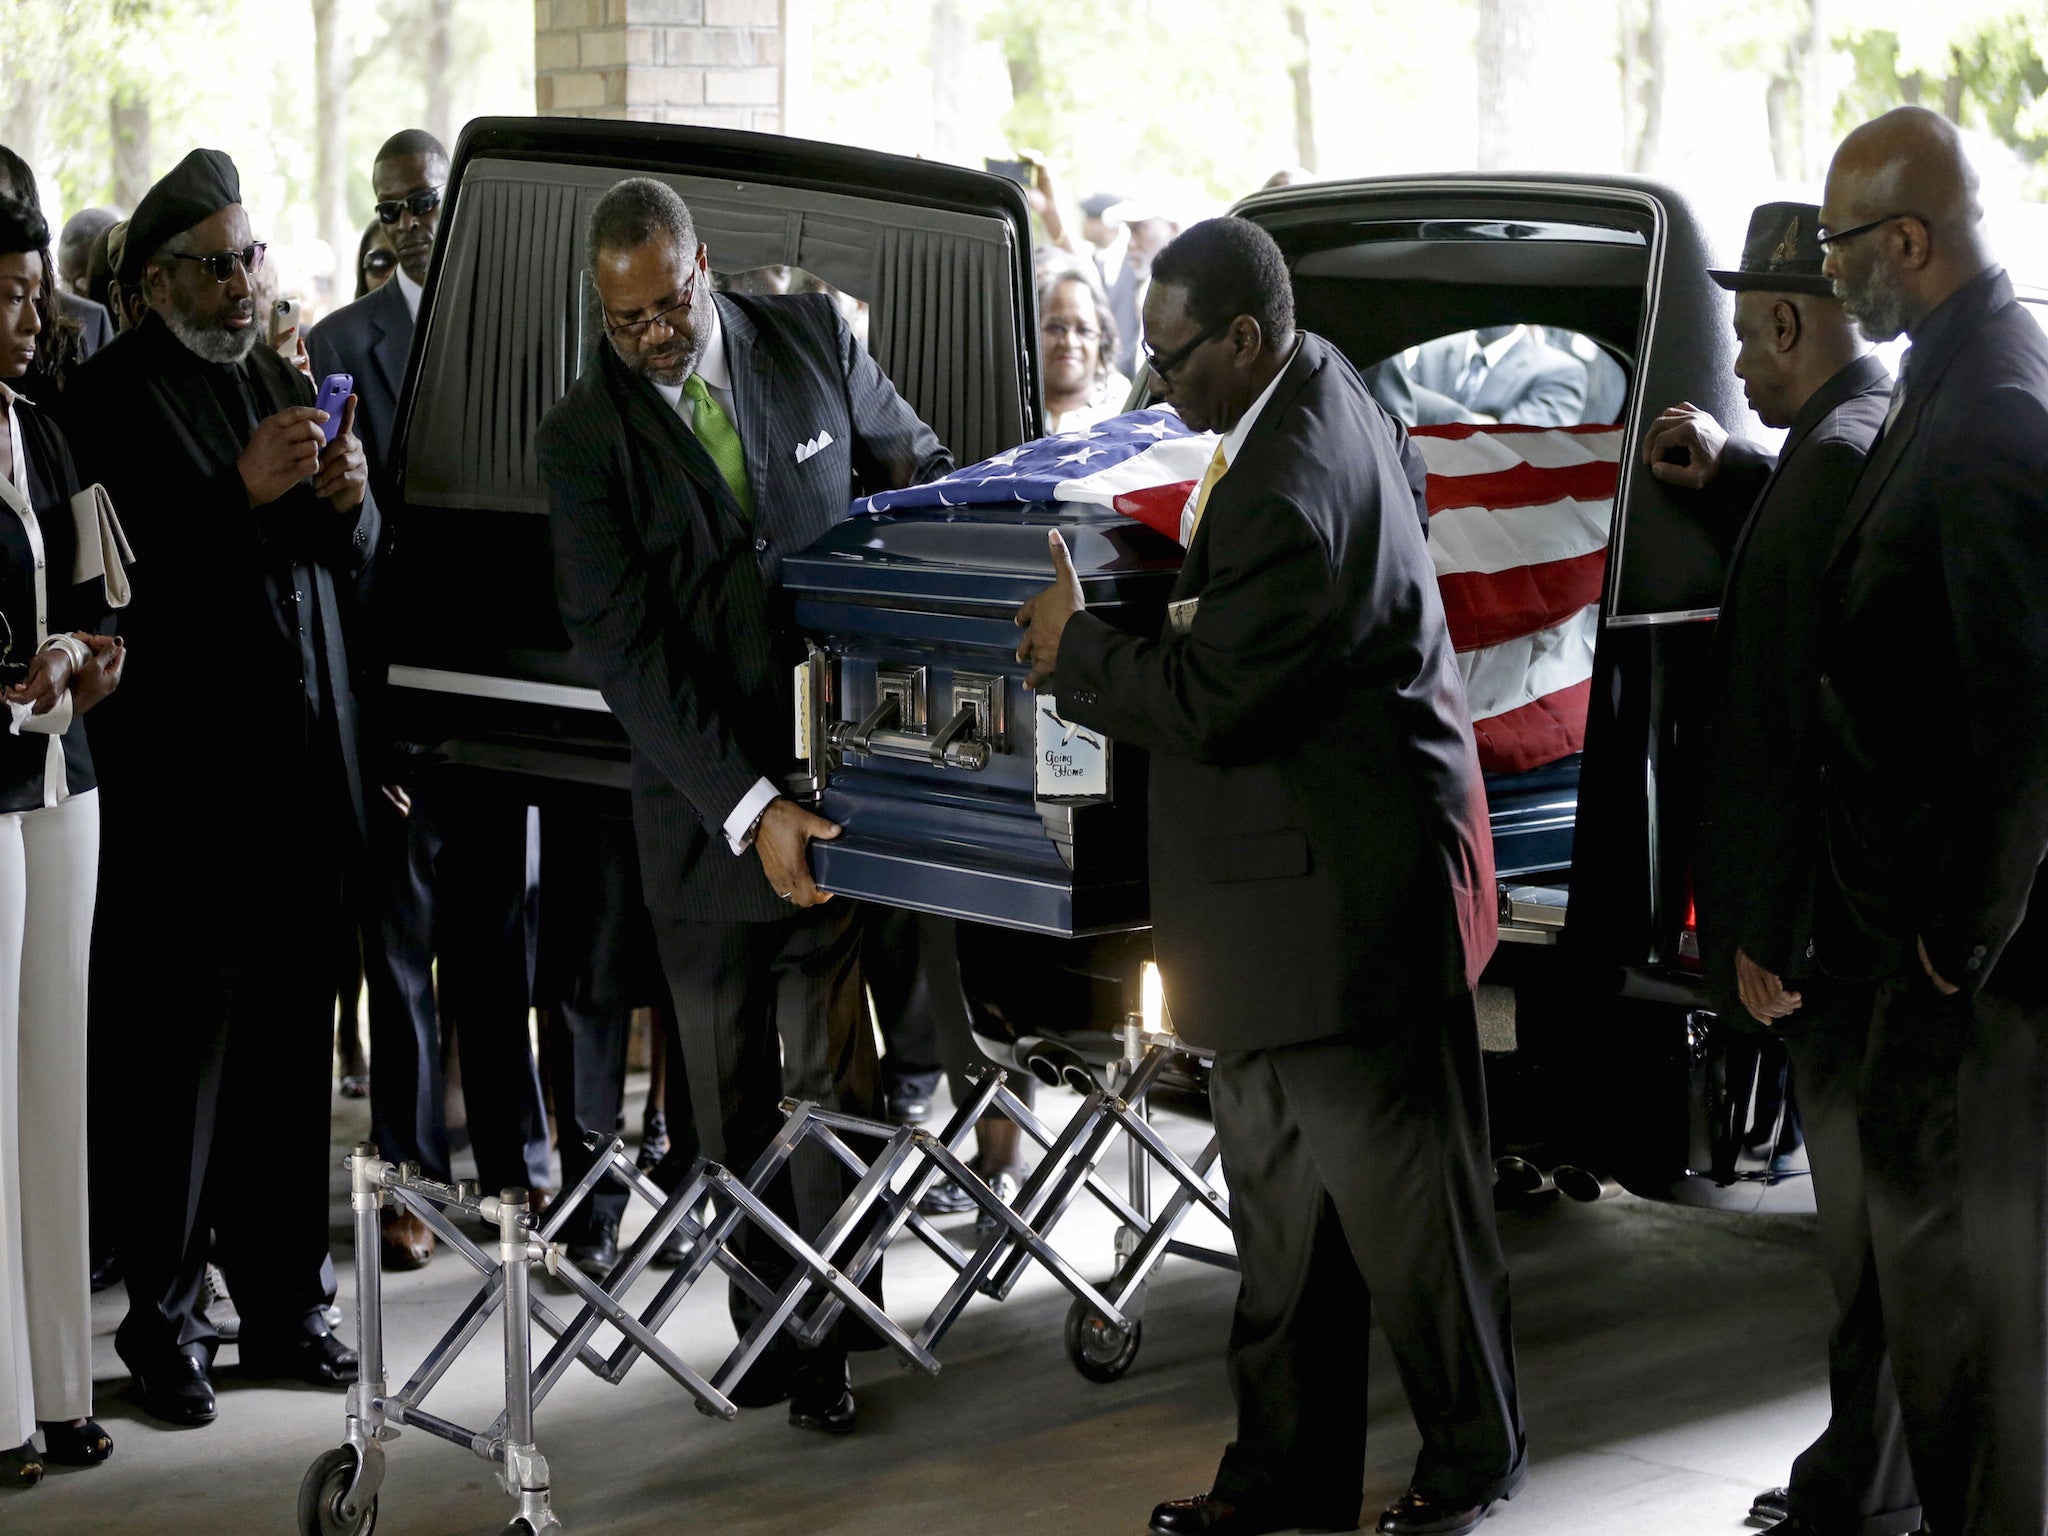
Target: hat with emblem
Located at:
point(1782, 253)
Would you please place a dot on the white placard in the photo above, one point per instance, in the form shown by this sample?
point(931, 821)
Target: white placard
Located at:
point(1071, 759)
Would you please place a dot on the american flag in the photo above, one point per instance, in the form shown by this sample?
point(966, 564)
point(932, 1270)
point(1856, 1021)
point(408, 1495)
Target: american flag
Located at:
point(1518, 533)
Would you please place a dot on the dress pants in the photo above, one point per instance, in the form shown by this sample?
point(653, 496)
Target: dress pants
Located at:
point(765, 1010)
point(450, 882)
point(49, 866)
point(1856, 1479)
point(893, 963)
point(596, 965)
point(1955, 1149)
point(219, 941)
point(1359, 1180)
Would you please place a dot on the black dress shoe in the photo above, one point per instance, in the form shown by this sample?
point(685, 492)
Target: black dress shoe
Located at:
point(75, 1445)
point(821, 1398)
point(178, 1390)
point(317, 1359)
point(1771, 1505)
point(1417, 1514)
point(1206, 1515)
point(596, 1254)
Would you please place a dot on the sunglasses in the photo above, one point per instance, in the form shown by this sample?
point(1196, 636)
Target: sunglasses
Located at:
point(419, 204)
point(222, 264)
point(378, 263)
point(636, 330)
point(1160, 366)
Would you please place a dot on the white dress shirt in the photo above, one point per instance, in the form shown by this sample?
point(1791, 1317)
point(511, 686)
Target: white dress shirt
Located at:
point(1233, 441)
point(716, 372)
point(411, 290)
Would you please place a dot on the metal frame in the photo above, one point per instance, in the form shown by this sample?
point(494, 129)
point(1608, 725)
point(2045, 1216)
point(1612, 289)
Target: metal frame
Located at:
point(823, 1284)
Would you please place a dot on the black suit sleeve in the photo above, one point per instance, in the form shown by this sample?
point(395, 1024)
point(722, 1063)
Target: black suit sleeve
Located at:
point(1262, 622)
point(622, 621)
point(892, 448)
point(1992, 525)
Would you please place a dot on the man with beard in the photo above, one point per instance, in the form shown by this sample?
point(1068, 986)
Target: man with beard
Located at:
point(446, 863)
point(233, 802)
point(675, 493)
point(1934, 687)
point(1803, 368)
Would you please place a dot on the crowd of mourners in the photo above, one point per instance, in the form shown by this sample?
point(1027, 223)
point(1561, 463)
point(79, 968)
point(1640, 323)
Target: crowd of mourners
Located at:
point(171, 960)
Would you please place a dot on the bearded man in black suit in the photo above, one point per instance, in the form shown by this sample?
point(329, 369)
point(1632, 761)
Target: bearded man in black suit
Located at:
point(676, 487)
point(1323, 902)
point(1934, 688)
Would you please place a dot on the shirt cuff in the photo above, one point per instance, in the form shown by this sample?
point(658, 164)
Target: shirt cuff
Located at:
point(739, 826)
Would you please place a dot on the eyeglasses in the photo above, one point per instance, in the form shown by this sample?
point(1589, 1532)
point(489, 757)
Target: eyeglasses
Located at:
point(1831, 237)
point(1059, 330)
point(377, 263)
point(1161, 366)
point(222, 264)
point(419, 204)
point(636, 330)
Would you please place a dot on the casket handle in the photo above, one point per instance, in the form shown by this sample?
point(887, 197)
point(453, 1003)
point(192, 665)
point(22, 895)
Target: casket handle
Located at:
point(952, 747)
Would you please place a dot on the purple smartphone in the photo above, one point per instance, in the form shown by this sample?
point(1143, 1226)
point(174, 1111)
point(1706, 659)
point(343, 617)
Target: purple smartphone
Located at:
point(334, 392)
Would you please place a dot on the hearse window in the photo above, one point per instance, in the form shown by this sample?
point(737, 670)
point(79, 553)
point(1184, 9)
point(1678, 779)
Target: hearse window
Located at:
point(516, 318)
point(1513, 374)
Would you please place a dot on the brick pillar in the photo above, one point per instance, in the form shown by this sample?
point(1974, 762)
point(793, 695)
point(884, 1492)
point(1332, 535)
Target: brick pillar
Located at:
point(720, 63)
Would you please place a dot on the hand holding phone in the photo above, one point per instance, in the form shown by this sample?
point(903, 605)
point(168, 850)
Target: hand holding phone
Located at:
point(334, 392)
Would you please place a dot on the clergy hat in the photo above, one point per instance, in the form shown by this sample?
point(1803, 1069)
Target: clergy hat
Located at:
point(1782, 254)
point(201, 184)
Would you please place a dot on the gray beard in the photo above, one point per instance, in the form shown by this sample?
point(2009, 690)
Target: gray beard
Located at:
point(1880, 310)
point(670, 374)
point(212, 342)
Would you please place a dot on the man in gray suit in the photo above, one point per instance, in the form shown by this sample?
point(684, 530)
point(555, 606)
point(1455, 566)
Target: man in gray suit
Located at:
point(1500, 373)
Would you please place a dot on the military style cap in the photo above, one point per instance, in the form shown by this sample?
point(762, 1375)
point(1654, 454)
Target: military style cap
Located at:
point(1782, 254)
point(197, 188)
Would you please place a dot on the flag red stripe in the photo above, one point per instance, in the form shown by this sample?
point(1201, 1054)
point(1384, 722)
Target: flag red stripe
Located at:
point(1462, 429)
point(1157, 506)
point(1539, 732)
point(1524, 486)
point(1486, 608)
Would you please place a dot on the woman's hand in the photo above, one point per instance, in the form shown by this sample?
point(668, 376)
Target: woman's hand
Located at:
point(102, 674)
point(49, 674)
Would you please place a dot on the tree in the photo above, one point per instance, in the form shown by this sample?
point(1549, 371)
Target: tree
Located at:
point(1642, 83)
point(1993, 76)
point(440, 57)
point(330, 126)
point(1510, 34)
point(1300, 73)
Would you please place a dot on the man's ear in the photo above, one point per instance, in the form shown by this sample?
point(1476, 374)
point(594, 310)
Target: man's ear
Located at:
point(1916, 244)
point(1247, 341)
point(1785, 325)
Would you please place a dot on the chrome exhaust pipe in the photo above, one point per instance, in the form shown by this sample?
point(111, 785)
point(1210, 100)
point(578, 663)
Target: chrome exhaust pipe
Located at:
point(1584, 1185)
point(1518, 1176)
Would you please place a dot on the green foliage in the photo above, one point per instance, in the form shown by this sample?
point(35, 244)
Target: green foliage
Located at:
point(1993, 78)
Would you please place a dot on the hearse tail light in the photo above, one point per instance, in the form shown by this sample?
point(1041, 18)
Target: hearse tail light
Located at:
point(1689, 935)
point(1152, 999)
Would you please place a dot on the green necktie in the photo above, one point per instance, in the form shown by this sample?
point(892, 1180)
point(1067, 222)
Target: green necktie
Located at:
point(720, 438)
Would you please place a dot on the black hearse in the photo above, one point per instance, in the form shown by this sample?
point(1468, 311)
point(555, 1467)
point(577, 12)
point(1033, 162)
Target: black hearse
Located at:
point(910, 718)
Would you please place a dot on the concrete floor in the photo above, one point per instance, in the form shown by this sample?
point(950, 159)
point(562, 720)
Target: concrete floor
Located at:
point(1671, 1364)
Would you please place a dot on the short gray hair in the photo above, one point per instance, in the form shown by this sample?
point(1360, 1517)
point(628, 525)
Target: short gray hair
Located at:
point(634, 212)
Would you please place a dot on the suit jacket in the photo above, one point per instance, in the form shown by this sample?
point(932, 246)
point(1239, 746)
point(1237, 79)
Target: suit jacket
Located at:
point(235, 717)
point(369, 340)
point(1320, 854)
point(1935, 684)
point(1533, 384)
point(669, 592)
point(92, 316)
point(1759, 830)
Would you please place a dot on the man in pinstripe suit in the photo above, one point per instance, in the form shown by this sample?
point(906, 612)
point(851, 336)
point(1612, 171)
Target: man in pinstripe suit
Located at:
point(712, 436)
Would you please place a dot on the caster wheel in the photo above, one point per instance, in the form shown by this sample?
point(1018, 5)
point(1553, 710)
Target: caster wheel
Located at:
point(320, 1497)
point(1100, 1352)
point(518, 1527)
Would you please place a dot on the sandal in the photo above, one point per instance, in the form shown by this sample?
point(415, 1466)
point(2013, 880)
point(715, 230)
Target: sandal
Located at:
point(21, 1467)
point(76, 1445)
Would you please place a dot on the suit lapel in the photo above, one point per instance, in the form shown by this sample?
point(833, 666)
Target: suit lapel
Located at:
point(751, 367)
point(649, 420)
point(1877, 469)
point(394, 338)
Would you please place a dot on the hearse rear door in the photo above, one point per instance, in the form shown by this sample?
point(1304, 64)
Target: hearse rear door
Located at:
point(480, 668)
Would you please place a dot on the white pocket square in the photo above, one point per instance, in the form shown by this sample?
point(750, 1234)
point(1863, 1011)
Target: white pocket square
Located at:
point(815, 446)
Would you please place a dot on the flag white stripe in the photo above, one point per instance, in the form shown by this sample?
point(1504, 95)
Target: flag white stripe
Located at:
point(1502, 677)
point(1484, 454)
point(1478, 540)
point(1165, 462)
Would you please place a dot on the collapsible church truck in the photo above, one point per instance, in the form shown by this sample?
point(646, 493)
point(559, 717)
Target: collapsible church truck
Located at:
point(1581, 590)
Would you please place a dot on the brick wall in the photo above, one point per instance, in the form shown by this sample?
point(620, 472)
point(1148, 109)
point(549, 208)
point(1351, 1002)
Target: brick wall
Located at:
point(722, 63)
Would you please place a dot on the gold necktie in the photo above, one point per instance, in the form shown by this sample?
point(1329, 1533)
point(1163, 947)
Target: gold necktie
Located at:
point(1217, 466)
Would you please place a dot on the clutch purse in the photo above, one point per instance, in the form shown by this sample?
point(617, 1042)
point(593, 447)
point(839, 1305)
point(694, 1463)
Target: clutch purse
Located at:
point(102, 545)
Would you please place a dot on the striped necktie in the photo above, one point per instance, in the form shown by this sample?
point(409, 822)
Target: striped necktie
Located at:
point(721, 440)
point(1217, 465)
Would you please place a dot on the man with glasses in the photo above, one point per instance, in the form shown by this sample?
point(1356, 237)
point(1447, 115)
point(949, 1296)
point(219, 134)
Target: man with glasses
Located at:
point(233, 800)
point(713, 435)
point(1934, 690)
point(1323, 902)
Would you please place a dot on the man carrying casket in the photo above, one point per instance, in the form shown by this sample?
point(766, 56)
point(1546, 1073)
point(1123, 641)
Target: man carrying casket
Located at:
point(1323, 902)
point(714, 435)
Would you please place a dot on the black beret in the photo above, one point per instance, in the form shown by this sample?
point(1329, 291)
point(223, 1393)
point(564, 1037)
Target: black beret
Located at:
point(197, 188)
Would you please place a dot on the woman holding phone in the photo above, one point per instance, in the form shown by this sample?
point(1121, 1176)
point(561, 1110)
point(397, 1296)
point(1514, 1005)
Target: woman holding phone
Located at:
point(49, 872)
